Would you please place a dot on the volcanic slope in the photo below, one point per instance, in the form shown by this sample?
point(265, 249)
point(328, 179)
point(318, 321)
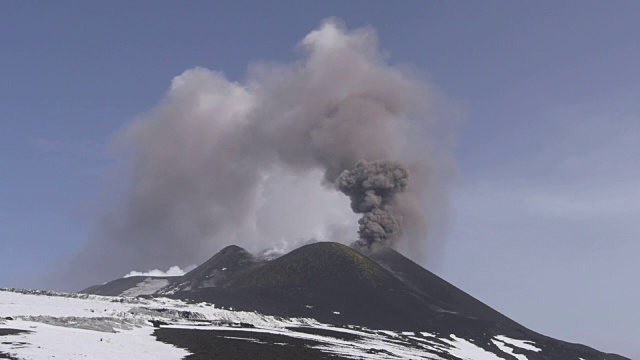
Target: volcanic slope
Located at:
point(337, 285)
point(131, 286)
point(439, 292)
point(326, 281)
point(333, 283)
point(227, 264)
point(462, 305)
point(217, 271)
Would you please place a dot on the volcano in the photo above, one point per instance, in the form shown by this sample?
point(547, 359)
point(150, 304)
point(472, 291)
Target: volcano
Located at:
point(336, 285)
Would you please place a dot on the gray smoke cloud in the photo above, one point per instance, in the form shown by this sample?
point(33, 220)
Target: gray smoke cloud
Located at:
point(372, 188)
point(259, 162)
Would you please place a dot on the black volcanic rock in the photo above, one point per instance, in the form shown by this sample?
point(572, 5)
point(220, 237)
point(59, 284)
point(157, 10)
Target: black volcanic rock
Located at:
point(331, 283)
point(206, 345)
point(447, 296)
point(323, 264)
point(327, 281)
point(220, 268)
point(438, 291)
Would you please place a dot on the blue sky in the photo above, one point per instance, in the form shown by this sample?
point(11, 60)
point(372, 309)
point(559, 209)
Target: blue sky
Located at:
point(543, 220)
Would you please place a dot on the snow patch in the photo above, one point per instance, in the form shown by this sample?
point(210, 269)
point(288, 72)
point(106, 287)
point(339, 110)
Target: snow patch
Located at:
point(504, 348)
point(46, 341)
point(464, 349)
point(522, 344)
point(146, 287)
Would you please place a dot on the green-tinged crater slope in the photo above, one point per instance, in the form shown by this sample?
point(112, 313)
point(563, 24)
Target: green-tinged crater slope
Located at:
point(320, 263)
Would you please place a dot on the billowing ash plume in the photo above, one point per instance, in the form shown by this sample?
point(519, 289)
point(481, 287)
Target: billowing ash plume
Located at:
point(258, 162)
point(372, 187)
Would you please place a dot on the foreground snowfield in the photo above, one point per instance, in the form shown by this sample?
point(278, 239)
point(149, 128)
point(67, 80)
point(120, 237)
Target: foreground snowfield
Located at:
point(80, 326)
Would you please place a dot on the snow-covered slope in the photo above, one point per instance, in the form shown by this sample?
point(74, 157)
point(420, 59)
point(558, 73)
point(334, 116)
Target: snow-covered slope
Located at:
point(77, 327)
point(80, 326)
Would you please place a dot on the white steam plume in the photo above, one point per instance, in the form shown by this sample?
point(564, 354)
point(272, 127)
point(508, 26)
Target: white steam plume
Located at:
point(172, 271)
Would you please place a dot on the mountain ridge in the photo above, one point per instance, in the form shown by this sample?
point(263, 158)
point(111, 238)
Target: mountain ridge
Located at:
point(334, 284)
